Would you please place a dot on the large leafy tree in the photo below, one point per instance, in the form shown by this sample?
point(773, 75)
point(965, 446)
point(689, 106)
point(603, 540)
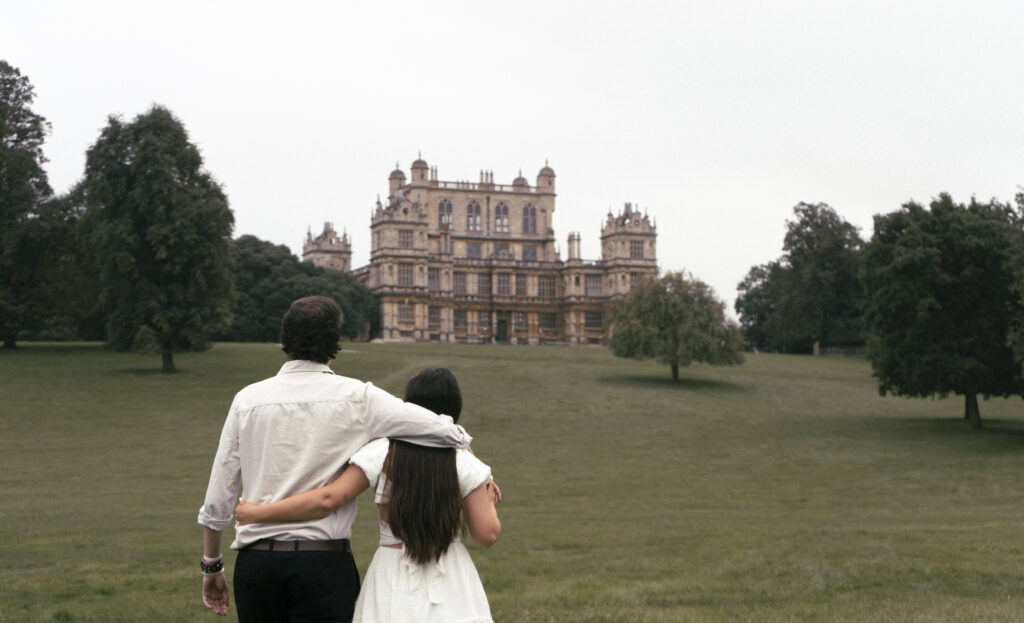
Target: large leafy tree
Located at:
point(159, 226)
point(269, 277)
point(823, 299)
point(811, 295)
point(942, 300)
point(24, 189)
point(676, 319)
point(757, 303)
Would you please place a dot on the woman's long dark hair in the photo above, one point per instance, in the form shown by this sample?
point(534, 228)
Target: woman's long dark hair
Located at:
point(424, 504)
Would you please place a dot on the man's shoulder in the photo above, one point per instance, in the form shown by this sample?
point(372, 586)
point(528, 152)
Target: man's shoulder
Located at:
point(304, 386)
point(257, 386)
point(252, 393)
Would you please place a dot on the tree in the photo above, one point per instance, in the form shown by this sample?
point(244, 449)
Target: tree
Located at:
point(823, 300)
point(941, 300)
point(676, 319)
point(159, 227)
point(59, 289)
point(1016, 339)
point(269, 277)
point(811, 295)
point(23, 189)
point(757, 303)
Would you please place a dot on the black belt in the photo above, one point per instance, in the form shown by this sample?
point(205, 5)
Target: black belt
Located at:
point(338, 545)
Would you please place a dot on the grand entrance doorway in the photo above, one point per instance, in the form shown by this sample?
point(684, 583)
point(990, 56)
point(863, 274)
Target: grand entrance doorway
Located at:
point(502, 333)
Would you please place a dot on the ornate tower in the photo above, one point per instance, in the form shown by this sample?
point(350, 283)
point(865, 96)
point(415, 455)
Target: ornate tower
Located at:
point(628, 248)
point(328, 250)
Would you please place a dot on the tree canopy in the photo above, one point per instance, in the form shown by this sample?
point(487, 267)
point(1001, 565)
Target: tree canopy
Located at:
point(942, 300)
point(269, 277)
point(675, 319)
point(811, 295)
point(759, 298)
point(24, 189)
point(60, 288)
point(159, 226)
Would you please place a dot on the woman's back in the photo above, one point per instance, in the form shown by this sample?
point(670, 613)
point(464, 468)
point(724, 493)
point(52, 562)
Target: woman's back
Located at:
point(471, 471)
point(397, 588)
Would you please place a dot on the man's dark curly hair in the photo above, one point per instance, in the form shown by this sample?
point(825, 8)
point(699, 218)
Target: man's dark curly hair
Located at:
point(311, 329)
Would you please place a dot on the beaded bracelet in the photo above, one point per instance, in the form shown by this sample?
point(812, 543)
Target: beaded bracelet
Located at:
point(212, 567)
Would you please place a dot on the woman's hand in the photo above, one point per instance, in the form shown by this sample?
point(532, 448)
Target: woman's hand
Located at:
point(245, 512)
point(492, 487)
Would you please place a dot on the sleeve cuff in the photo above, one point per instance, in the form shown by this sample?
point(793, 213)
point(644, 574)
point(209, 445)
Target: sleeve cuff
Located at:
point(370, 459)
point(213, 523)
point(466, 437)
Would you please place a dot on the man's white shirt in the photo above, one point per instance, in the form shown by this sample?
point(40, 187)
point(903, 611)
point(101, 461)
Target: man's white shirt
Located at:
point(296, 431)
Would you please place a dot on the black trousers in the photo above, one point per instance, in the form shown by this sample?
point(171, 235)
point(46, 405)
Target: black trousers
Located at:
point(289, 587)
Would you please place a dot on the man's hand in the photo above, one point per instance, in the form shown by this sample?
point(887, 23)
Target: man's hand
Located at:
point(215, 593)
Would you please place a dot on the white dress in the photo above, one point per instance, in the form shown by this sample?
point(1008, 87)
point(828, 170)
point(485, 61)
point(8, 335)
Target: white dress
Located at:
point(396, 589)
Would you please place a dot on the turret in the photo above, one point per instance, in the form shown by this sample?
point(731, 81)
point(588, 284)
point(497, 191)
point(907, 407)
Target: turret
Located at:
point(395, 181)
point(630, 236)
point(419, 172)
point(520, 181)
point(546, 179)
point(328, 250)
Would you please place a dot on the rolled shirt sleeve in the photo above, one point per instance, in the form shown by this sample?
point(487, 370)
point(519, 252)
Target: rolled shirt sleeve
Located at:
point(370, 458)
point(219, 505)
point(388, 416)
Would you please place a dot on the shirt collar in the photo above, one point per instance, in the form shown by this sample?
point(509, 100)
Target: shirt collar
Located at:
point(303, 365)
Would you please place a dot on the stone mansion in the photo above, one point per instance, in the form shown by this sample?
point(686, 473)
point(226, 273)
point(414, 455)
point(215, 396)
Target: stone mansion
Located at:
point(477, 262)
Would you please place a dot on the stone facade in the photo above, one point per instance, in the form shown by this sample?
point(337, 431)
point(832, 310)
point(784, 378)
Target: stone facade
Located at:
point(477, 262)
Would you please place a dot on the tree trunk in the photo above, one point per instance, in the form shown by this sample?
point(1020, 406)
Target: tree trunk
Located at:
point(168, 358)
point(10, 340)
point(675, 371)
point(971, 412)
point(817, 348)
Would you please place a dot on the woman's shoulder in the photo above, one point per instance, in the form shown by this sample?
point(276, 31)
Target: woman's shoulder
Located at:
point(472, 471)
point(463, 456)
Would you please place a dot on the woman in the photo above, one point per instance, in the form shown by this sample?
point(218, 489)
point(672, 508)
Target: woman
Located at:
point(421, 571)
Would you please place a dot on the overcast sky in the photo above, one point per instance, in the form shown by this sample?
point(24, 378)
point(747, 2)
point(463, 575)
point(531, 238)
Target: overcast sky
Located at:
point(715, 117)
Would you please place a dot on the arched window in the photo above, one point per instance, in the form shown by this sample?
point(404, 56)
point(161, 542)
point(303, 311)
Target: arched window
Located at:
point(444, 214)
point(501, 217)
point(473, 216)
point(529, 219)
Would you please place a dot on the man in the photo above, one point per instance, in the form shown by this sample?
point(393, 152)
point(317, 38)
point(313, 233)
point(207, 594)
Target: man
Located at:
point(287, 434)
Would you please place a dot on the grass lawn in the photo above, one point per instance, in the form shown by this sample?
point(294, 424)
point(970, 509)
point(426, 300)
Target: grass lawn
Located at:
point(784, 489)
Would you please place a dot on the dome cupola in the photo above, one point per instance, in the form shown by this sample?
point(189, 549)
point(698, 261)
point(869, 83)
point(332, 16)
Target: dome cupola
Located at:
point(546, 179)
point(419, 170)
